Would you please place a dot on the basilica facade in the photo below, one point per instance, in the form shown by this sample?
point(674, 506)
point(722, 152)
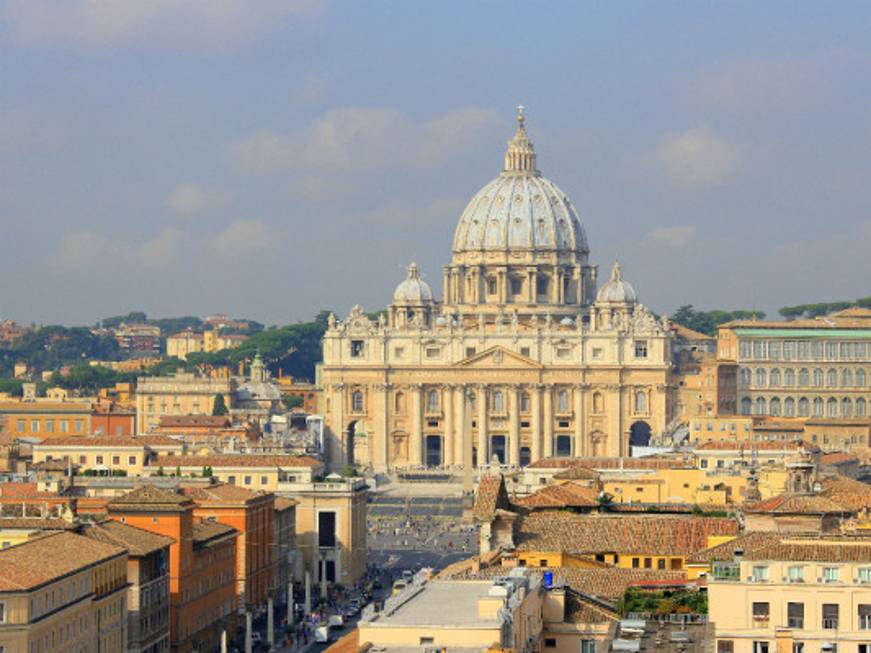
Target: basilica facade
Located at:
point(524, 357)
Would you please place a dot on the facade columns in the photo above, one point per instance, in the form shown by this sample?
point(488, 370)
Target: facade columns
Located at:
point(513, 427)
point(446, 272)
point(380, 439)
point(547, 416)
point(554, 285)
point(580, 448)
point(482, 425)
point(535, 396)
point(415, 447)
point(460, 431)
point(448, 437)
point(531, 285)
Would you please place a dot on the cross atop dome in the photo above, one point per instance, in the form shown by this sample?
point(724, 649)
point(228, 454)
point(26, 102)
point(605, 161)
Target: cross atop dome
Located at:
point(520, 157)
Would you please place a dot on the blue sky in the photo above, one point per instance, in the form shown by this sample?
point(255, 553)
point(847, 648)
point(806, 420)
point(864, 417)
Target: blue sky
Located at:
point(273, 158)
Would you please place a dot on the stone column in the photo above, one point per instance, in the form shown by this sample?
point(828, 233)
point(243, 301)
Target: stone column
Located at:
point(554, 285)
point(531, 286)
point(308, 592)
point(335, 446)
point(513, 427)
point(447, 283)
point(560, 292)
point(547, 418)
point(460, 431)
point(579, 449)
point(380, 440)
point(249, 644)
point(482, 425)
point(535, 396)
point(290, 610)
point(415, 446)
point(270, 623)
point(448, 437)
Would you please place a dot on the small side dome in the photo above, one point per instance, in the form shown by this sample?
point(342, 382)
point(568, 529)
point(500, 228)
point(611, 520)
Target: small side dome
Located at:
point(413, 290)
point(616, 290)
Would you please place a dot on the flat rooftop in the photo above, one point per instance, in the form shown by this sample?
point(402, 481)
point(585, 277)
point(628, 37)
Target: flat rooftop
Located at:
point(443, 603)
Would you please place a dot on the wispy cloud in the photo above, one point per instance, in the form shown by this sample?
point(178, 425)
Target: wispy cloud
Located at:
point(242, 237)
point(196, 24)
point(191, 199)
point(364, 139)
point(676, 236)
point(88, 248)
point(698, 157)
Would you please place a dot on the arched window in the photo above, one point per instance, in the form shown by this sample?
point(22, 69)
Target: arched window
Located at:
point(818, 407)
point(399, 402)
point(774, 407)
point(832, 407)
point(432, 401)
point(598, 402)
point(774, 378)
point(542, 285)
point(745, 376)
point(492, 285)
point(846, 407)
point(789, 407)
point(562, 401)
point(640, 401)
point(761, 377)
point(357, 401)
point(498, 401)
point(861, 407)
point(525, 404)
point(760, 405)
point(860, 378)
point(746, 406)
point(832, 378)
point(789, 377)
point(847, 378)
point(803, 407)
point(803, 377)
point(818, 378)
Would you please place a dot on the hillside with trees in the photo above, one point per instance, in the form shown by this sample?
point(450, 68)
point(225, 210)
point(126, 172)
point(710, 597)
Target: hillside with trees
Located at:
point(707, 321)
point(807, 311)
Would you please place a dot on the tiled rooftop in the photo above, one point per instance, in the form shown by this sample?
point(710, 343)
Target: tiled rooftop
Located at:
point(137, 541)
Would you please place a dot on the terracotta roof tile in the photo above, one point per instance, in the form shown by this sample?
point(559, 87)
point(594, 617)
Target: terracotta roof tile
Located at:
point(590, 534)
point(838, 458)
point(283, 503)
point(38, 523)
point(490, 496)
point(796, 504)
point(24, 490)
point(567, 495)
point(221, 493)
point(150, 498)
point(90, 442)
point(847, 492)
point(205, 531)
point(42, 560)
point(187, 421)
point(244, 460)
point(765, 445)
point(606, 463)
point(577, 473)
point(137, 541)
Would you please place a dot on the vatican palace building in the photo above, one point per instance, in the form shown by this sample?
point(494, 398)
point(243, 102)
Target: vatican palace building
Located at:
point(525, 356)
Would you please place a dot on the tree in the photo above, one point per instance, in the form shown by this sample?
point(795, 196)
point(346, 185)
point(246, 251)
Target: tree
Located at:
point(292, 401)
point(219, 406)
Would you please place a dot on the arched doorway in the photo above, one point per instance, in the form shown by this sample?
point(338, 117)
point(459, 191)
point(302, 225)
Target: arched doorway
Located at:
point(639, 434)
point(497, 448)
point(349, 445)
point(525, 456)
point(433, 452)
point(563, 448)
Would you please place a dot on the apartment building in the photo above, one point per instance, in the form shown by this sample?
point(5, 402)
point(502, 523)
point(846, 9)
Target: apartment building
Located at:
point(792, 594)
point(63, 592)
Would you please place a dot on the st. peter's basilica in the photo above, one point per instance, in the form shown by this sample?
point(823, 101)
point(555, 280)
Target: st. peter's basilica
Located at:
point(521, 359)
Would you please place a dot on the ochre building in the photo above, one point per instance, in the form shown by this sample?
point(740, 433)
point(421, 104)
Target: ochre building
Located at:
point(522, 358)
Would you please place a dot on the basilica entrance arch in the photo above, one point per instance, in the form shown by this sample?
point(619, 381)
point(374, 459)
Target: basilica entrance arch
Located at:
point(639, 434)
point(563, 446)
point(525, 456)
point(433, 456)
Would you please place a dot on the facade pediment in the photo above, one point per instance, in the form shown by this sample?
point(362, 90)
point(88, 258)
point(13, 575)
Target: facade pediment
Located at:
point(499, 357)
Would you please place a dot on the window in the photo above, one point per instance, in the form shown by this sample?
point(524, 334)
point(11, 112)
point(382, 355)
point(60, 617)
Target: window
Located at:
point(264, 480)
point(492, 285)
point(563, 352)
point(760, 406)
point(789, 377)
point(860, 378)
point(830, 616)
point(761, 377)
point(99, 460)
point(542, 285)
point(648, 563)
point(433, 352)
point(864, 616)
point(587, 646)
point(247, 480)
point(640, 349)
point(818, 407)
point(49, 426)
point(830, 574)
point(432, 401)
point(865, 575)
point(597, 353)
point(498, 402)
point(636, 562)
point(563, 401)
point(357, 401)
point(231, 480)
point(131, 460)
point(761, 611)
point(861, 407)
point(832, 407)
point(760, 574)
point(327, 529)
point(640, 401)
point(34, 426)
point(725, 646)
point(795, 615)
point(774, 378)
point(470, 351)
point(803, 407)
point(746, 405)
point(525, 404)
point(798, 647)
point(660, 564)
point(525, 351)
point(789, 407)
point(2, 614)
point(516, 285)
point(356, 348)
point(399, 352)
point(79, 424)
point(550, 642)
point(19, 426)
point(427, 640)
point(795, 574)
point(774, 407)
point(846, 407)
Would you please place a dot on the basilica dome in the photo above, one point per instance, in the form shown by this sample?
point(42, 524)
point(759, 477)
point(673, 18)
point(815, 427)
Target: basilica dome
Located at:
point(520, 210)
point(616, 290)
point(413, 290)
